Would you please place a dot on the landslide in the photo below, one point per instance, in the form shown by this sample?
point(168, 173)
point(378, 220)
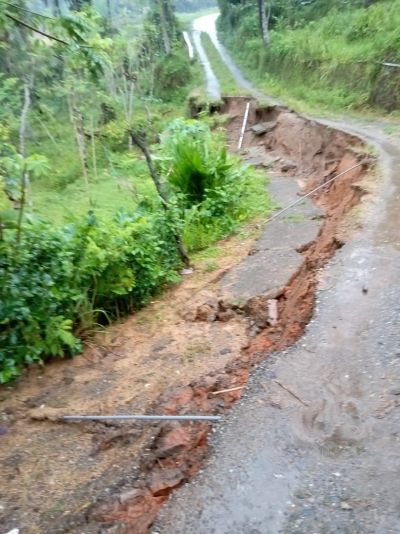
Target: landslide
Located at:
point(136, 466)
point(311, 153)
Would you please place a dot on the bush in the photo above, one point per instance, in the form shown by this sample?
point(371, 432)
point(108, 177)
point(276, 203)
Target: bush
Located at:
point(331, 56)
point(171, 75)
point(60, 281)
point(215, 192)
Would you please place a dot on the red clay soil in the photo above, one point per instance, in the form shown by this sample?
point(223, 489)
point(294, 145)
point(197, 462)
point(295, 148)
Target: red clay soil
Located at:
point(171, 453)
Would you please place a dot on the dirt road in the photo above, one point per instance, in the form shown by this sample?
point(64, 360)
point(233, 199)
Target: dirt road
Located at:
point(313, 444)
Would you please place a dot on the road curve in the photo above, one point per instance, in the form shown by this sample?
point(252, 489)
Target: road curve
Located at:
point(330, 462)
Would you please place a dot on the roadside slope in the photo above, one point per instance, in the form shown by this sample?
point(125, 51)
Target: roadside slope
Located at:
point(313, 444)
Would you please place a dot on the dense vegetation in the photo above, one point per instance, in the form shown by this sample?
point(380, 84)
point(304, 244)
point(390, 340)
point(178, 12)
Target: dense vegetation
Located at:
point(102, 188)
point(324, 52)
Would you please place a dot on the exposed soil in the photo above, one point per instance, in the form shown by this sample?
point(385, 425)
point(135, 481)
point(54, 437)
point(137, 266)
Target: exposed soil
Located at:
point(170, 358)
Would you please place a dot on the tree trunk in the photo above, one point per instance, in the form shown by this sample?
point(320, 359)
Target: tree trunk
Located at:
point(264, 21)
point(109, 13)
point(164, 12)
point(164, 200)
point(25, 183)
point(77, 123)
point(57, 8)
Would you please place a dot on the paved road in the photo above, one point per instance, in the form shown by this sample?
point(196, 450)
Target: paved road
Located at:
point(332, 464)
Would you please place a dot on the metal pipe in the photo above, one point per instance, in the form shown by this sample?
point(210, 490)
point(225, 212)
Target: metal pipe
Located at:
point(141, 418)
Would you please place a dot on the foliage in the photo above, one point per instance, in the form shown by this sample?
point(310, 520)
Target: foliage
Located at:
point(60, 281)
point(326, 56)
point(172, 75)
point(215, 192)
point(191, 6)
point(83, 235)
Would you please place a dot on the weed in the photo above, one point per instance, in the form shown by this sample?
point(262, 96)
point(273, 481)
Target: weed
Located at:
point(195, 350)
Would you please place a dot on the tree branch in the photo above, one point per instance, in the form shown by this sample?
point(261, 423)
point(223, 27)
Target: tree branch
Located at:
point(26, 25)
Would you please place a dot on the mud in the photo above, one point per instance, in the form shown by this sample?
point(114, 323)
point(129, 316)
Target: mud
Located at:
point(138, 467)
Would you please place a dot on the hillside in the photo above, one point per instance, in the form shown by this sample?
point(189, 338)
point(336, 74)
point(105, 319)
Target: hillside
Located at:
point(337, 55)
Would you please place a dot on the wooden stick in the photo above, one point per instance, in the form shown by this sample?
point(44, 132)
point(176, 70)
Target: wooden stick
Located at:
point(237, 388)
point(304, 403)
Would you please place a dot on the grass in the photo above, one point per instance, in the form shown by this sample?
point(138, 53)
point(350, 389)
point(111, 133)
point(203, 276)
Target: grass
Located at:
point(186, 19)
point(227, 82)
point(329, 64)
point(122, 179)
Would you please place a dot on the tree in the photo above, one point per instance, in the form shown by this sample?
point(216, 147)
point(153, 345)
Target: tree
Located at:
point(165, 29)
point(264, 21)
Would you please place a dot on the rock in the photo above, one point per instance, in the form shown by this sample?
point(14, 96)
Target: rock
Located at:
point(225, 316)
point(207, 313)
point(202, 307)
point(173, 441)
point(130, 495)
point(161, 480)
point(345, 506)
point(263, 127)
point(43, 413)
point(288, 166)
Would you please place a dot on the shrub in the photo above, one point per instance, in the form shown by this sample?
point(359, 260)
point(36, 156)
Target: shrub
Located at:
point(60, 281)
point(215, 192)
point(171, 75)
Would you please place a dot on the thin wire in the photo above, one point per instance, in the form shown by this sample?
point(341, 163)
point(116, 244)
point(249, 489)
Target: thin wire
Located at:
point(277, 214)
point(26, 10)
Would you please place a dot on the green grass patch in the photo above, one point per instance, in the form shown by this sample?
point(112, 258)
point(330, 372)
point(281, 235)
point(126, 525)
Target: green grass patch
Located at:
point(186, 19)
point(225, 78)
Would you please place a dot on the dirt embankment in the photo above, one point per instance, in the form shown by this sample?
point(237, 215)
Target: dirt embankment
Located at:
point(312, 153)
point(127, 495)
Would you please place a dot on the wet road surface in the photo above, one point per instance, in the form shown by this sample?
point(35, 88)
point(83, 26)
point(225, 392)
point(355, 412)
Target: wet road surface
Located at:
point(327, 461)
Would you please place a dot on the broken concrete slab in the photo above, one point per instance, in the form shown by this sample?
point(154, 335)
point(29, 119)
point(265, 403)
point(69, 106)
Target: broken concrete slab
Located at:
point(263, 127)
point(275, 257)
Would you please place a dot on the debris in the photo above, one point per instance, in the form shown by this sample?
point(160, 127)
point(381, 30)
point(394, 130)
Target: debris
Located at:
point(237, 388)
point(186, 272)
point(263, 127)
point(273, 311)
point(291, 392)
point(345, 506)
